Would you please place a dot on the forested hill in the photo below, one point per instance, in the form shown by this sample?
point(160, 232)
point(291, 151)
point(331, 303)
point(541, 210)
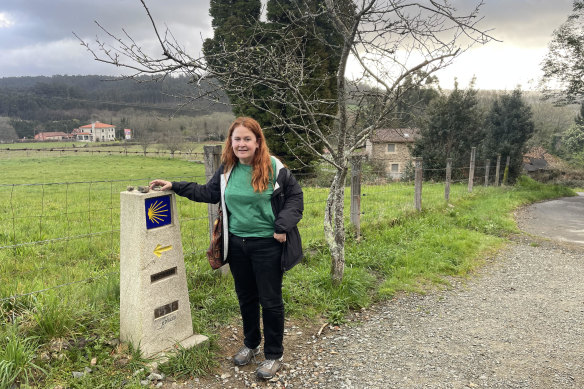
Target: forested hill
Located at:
point(61, 103)
point(53, 98)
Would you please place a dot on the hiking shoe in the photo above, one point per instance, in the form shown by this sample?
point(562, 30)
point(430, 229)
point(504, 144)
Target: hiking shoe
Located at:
point(245, 355)
point(268, 368)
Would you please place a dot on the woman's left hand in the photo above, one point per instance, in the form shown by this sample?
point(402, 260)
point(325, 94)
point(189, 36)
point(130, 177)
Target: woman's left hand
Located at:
point(280, 237)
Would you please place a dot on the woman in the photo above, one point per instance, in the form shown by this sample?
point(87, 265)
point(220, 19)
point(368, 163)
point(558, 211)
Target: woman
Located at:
point(263, 204)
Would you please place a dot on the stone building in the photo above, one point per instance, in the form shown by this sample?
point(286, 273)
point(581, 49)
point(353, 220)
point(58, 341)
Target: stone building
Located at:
point(44, 136)
point(391, 148)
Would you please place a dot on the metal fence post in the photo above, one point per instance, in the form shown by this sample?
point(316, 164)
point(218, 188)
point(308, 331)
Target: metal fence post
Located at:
point(212, 158)
point(487, 168)
point(356, 194)
point(418, 183)
point(498, 170)
point(473, 151)
point(448, 179)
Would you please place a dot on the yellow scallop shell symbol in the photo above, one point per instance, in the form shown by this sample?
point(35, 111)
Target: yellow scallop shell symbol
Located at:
point(156, 212)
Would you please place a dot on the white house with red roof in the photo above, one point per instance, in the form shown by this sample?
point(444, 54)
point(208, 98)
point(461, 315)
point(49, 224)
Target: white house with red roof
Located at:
point(96, 132)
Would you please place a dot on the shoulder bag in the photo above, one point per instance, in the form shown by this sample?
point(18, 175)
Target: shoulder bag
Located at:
point(215, 250)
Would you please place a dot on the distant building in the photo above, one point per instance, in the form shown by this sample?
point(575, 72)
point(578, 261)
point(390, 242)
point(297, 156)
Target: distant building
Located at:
point(101, 132)
point(391, 148)
point(43, 136)
point(84, 136)
point(127, 134)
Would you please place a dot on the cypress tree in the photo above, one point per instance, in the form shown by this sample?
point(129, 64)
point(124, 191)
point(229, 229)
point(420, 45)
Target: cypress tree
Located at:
point(317, 50)
point(452, 127)
point(509, 126)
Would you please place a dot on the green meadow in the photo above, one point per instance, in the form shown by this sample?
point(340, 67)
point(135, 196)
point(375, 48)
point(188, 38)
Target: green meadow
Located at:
point(59, 260)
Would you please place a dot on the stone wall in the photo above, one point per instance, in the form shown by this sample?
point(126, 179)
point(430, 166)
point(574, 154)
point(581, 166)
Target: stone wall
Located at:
point(401, 156)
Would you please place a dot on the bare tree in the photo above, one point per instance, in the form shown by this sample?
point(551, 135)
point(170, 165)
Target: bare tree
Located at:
point(384, 42)
point(145, 140)
point(7, 131)
point(173, 141)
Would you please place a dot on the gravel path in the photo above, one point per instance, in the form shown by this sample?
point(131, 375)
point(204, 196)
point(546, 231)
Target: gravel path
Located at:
point(517, 323)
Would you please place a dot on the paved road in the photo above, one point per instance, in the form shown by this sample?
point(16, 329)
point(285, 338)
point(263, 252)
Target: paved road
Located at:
point(561, 219)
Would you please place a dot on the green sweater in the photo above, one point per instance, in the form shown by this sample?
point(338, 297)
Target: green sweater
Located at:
point(250, 213)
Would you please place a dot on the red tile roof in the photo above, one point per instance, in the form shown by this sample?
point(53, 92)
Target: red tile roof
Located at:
point(43, 135)
point(97, 125)
point(395, 135)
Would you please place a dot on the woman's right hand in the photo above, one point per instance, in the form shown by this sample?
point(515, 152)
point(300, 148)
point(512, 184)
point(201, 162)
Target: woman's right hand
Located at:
point(163, 184)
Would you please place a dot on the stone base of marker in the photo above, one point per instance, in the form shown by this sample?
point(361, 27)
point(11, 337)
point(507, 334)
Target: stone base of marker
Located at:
point(155, 312)
point(193, 341)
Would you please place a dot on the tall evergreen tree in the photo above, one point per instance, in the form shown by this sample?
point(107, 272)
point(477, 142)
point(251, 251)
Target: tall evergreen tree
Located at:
point(563, 66)
point(572, 144)
point(453, 126)
point(415, 97)
point(509, 126)
point(580, 118)
point(315, 48)
point(234, 23)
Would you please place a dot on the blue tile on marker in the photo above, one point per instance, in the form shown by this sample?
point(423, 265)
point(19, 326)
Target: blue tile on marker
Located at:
point(157, 212)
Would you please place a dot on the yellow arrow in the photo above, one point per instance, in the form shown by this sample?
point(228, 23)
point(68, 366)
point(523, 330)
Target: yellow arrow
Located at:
point(160, 249)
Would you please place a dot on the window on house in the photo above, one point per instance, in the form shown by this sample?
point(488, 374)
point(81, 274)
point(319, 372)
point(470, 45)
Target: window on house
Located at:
point(395, 167)
point(391, 148)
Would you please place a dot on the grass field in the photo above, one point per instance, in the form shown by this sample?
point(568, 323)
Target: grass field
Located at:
point(59, 238)
point(189, 151)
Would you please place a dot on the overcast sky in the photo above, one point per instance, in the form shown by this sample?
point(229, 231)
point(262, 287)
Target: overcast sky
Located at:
point(36, 36)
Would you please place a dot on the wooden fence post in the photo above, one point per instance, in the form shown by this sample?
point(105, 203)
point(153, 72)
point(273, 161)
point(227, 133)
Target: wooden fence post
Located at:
point(473, 151)
point(448, 179)
point(487, 168)
point(498, 170)
point(418, 183)
point(356, 194)
point(212, 159)
point(506, 172)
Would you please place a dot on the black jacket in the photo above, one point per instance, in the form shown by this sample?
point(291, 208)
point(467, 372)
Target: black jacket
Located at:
point(287, 205)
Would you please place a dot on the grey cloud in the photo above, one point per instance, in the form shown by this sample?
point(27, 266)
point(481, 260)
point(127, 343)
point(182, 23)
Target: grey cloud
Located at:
point(46, 21)
point(526, 23)
point(42, 35)
point(41, 40)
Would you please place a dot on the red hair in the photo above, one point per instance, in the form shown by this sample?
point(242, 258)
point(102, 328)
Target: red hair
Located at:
point(261, 164)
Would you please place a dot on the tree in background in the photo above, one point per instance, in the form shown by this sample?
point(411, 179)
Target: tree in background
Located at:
point(7, 131)
point(580, 118)
point(416, 96)
point(509, 126)
point(173, 140)
point(236, 23)
point(573, 138)
point(454, 125)
point(383, 43)
point(563, 66)
point(23, 128)
point(550, 122)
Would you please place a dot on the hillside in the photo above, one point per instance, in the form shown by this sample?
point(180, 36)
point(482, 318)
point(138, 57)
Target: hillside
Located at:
point(59, 103)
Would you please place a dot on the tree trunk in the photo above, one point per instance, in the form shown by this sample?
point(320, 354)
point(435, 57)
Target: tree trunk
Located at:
point(334, 225)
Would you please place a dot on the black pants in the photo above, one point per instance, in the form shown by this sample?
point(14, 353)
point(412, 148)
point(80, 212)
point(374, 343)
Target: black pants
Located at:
point(257, 272)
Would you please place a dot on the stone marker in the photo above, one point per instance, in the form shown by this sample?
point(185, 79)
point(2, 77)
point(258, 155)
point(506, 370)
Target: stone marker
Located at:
point(155, 311)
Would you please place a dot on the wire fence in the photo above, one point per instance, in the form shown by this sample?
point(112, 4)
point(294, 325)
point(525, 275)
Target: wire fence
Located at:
point(54, 235)
point(16, 152)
